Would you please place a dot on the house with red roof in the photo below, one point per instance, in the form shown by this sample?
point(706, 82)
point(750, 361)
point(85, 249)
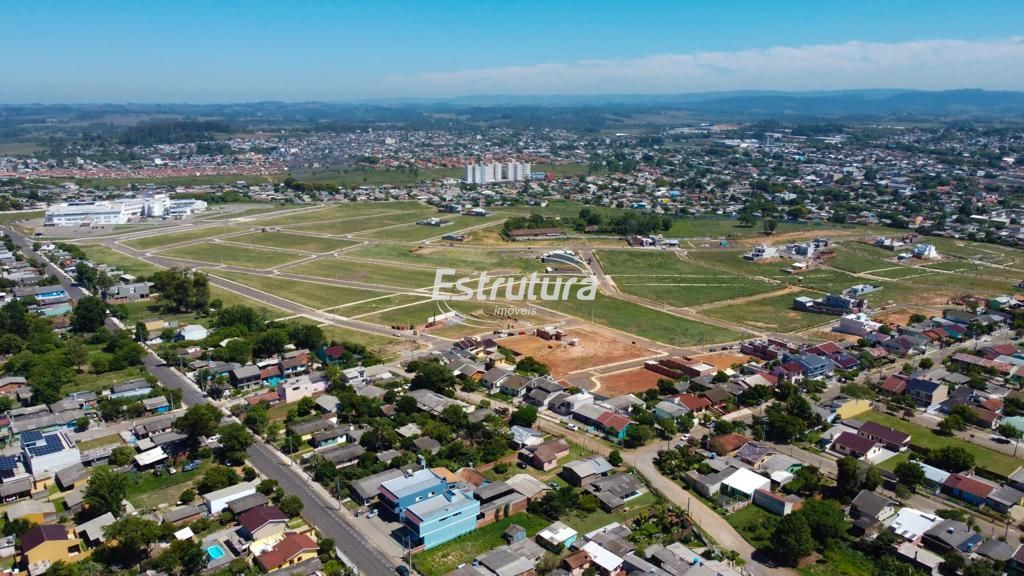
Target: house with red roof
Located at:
point(970, 489)
point(894, 385)
point(791, 371)
point(291, 550)
point(614, 425)
point(695, 404)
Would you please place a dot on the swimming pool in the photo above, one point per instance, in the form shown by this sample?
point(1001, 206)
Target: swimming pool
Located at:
point(273, 381)
point(215, 552)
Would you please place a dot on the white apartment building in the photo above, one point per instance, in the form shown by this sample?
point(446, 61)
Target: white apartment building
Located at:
point(497, 172)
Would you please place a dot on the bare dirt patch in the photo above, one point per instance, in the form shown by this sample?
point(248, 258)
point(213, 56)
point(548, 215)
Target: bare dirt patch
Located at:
point(787, 237)
point(632, 381)
point(592, 350)
point(902, 316)
point(723, 360)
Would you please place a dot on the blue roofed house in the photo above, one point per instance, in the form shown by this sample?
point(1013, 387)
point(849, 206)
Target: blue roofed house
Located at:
point(441, 518)
point(814, 366)
point(400, 493)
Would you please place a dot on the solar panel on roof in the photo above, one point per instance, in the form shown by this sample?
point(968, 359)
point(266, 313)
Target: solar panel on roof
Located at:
point(8, 463)
point(31, 436)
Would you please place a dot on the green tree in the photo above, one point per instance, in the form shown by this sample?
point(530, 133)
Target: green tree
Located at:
point(82, 424)
point(615, 458)
point(530, 365)
point(121, 455)
point(525, 416)
point(951, 458)
point(910, 474)
point(105, 491)
point(432, 375)
point(852, 476)
point(235, 439)
point(184, 558)
point(187, 496)
point(89, 315)
point(216, 478)
point(291, 505)
point(791, 539)
point(198, 421)
point(129, 538)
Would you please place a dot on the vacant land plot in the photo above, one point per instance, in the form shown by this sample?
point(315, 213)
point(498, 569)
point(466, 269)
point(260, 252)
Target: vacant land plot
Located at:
point(417, 232)
point(644, 322)
point(248, 211)
point(376, 305)
point(226, 254)
point(774, 313)
point(461, 259)
point(724, 360)
point(123, 262)
point(479, 317)
point(338, 212)
point(300, 242)
point(592, 350)
point(361, 222)
point(366, 273)
point(1002, 464)
point(312, 294)
point(178, 235)
point(376, 342)
point(663, 277)
point(446, 557)
point(632, 381)
point(10, 217)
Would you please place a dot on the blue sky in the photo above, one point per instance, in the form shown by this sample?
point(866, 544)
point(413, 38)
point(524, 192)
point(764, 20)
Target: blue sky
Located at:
point(220, 51)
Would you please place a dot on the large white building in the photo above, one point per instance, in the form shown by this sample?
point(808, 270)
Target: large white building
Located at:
point(497, 172)
point(102, 212)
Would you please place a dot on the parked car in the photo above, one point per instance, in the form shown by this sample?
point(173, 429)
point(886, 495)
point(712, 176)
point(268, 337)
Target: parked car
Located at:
point(372, 513)
point(403, 570)
point(572, 427)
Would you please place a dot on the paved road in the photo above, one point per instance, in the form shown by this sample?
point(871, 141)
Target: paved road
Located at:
point(25, 245)
point(322, 511)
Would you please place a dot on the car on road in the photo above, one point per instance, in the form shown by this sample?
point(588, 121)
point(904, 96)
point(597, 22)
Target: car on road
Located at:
point(403, 570)
point(572, 427)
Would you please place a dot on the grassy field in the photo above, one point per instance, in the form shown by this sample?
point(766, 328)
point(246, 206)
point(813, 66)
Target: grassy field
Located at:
point(446, 557)
point(146, 310)
point(462, 259)
point(361, 222)
point(371, 341)
point(340, 212)
point(288, 241)
point(990, 460)
point(97, 382)
point(127, 264)
point(146, 491)
point(774, 313)
point(101, 441)
point(755, 524)
point(10, 217)
point(160, 240)
point(216, 253)
point(256, 210)
point(663, 277)
point(645, 322)
point(356, 271)
point(310, 294)
point(418, 232)
point(374, 306)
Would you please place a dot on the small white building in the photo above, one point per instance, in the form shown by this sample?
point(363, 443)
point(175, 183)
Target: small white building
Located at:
point(858, 324)
point(925, 251)
point(744, 483)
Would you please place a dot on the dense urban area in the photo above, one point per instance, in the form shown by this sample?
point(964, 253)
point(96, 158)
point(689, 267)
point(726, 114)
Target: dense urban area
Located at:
point(226, 347)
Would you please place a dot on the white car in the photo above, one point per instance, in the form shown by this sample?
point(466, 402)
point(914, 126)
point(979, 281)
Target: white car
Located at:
point(572, 427)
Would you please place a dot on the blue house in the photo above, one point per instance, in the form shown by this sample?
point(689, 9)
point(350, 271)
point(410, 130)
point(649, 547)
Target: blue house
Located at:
point(411, 488)
point(814, 366)
point(441, 518)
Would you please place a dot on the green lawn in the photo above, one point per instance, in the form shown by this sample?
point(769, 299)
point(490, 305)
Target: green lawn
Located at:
point(840, 560)
point(446, 557)
point(663, 277)
point(288, 241)
point(340, 211)
point(310, 294)
point(372, 341)
point(417, 232)
point(377, 305)
point(97, 382)
point(419, 314)
point(257, 210)
point(216, 253)
point(645, 322)
point(462, 259)
point(127, 264)
point(150, 309)
point(755, 524)
point(177, 236)
point(990, 460)
point(10, 217)
point(146, 491)
point(775, 313)
point(594, 520)
point(101, 441)
point(340, 268)
point(362, 223)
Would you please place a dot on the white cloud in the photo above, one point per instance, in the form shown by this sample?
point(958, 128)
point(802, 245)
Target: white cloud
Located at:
point(928, 64)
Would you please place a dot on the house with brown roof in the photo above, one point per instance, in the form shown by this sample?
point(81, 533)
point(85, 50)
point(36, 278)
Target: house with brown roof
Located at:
point(545, 456)
point(51, 543)
point(576, 563)
point(291, 550)
point(859, 447)
point(727, 444)
point(263, 525)
point(970, 489)
point(891, 438)
point(894, 385)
